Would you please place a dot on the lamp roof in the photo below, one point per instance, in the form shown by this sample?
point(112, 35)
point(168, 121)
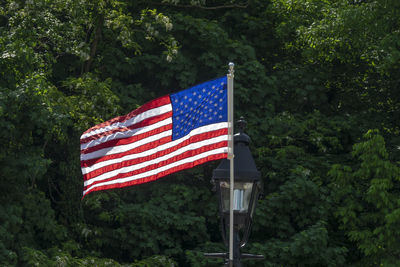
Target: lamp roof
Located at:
point(244, 166)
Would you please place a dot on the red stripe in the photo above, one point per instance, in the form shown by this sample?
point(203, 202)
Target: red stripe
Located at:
point(127, 140)
point(139, 149)
point(161, 174)
point(192, 139)
point(140, 124)
point(160, 164)
point(161, 101)
point(186, 154)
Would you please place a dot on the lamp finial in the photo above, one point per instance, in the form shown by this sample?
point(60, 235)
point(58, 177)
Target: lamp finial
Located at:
point(241, 124)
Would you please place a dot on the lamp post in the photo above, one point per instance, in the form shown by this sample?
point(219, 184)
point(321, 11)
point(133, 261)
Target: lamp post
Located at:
point(247, 189)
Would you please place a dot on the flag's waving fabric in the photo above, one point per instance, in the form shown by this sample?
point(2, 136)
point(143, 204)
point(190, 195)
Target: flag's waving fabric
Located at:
point(165, 135)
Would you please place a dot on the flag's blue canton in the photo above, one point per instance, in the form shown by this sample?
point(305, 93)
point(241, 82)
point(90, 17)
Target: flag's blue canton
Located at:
point(197, 106)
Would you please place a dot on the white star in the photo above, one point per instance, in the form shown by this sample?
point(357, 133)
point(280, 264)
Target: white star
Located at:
point(185, 97)
point(194, 93)
point(190, 100)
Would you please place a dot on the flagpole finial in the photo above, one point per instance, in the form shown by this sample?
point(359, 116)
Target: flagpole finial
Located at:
point(231, 68)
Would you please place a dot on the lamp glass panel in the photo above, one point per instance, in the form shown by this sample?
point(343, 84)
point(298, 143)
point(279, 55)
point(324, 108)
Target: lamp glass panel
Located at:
point(256, 195)
point(241, 195)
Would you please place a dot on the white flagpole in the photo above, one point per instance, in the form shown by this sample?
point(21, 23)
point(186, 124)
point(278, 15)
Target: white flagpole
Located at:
point(230, 77)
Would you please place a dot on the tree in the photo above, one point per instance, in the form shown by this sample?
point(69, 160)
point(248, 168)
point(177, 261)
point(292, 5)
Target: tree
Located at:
point(311, 78)
point(367, 198)
point(49, 94)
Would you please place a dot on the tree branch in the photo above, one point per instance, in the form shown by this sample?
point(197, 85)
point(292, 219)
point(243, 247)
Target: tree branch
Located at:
point(93, 48)
point(245, 5)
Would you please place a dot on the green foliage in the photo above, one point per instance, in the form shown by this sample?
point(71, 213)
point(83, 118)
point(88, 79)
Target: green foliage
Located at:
point(368, 200)
point(311, 78)
point(85, 94)
point(34, 257)
point(172, 208)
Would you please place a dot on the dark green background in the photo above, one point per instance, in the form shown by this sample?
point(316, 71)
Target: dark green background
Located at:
point(317, 81)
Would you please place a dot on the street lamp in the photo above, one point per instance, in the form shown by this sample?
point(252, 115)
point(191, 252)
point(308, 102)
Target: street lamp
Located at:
point(247, 189)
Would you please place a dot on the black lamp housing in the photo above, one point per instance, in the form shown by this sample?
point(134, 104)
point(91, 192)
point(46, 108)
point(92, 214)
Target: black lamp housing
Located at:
point(247, 189)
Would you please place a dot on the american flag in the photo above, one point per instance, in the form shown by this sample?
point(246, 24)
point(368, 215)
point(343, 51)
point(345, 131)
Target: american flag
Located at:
point(166, 135)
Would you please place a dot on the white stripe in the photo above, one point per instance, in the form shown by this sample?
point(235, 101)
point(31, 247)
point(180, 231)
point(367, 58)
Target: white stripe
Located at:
point(138, 118)
point(123, 148)
point(138, 166)
point(161, 169)
point(127, 147)
point(86, 170)
point(125, 134)
point(101, 164)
